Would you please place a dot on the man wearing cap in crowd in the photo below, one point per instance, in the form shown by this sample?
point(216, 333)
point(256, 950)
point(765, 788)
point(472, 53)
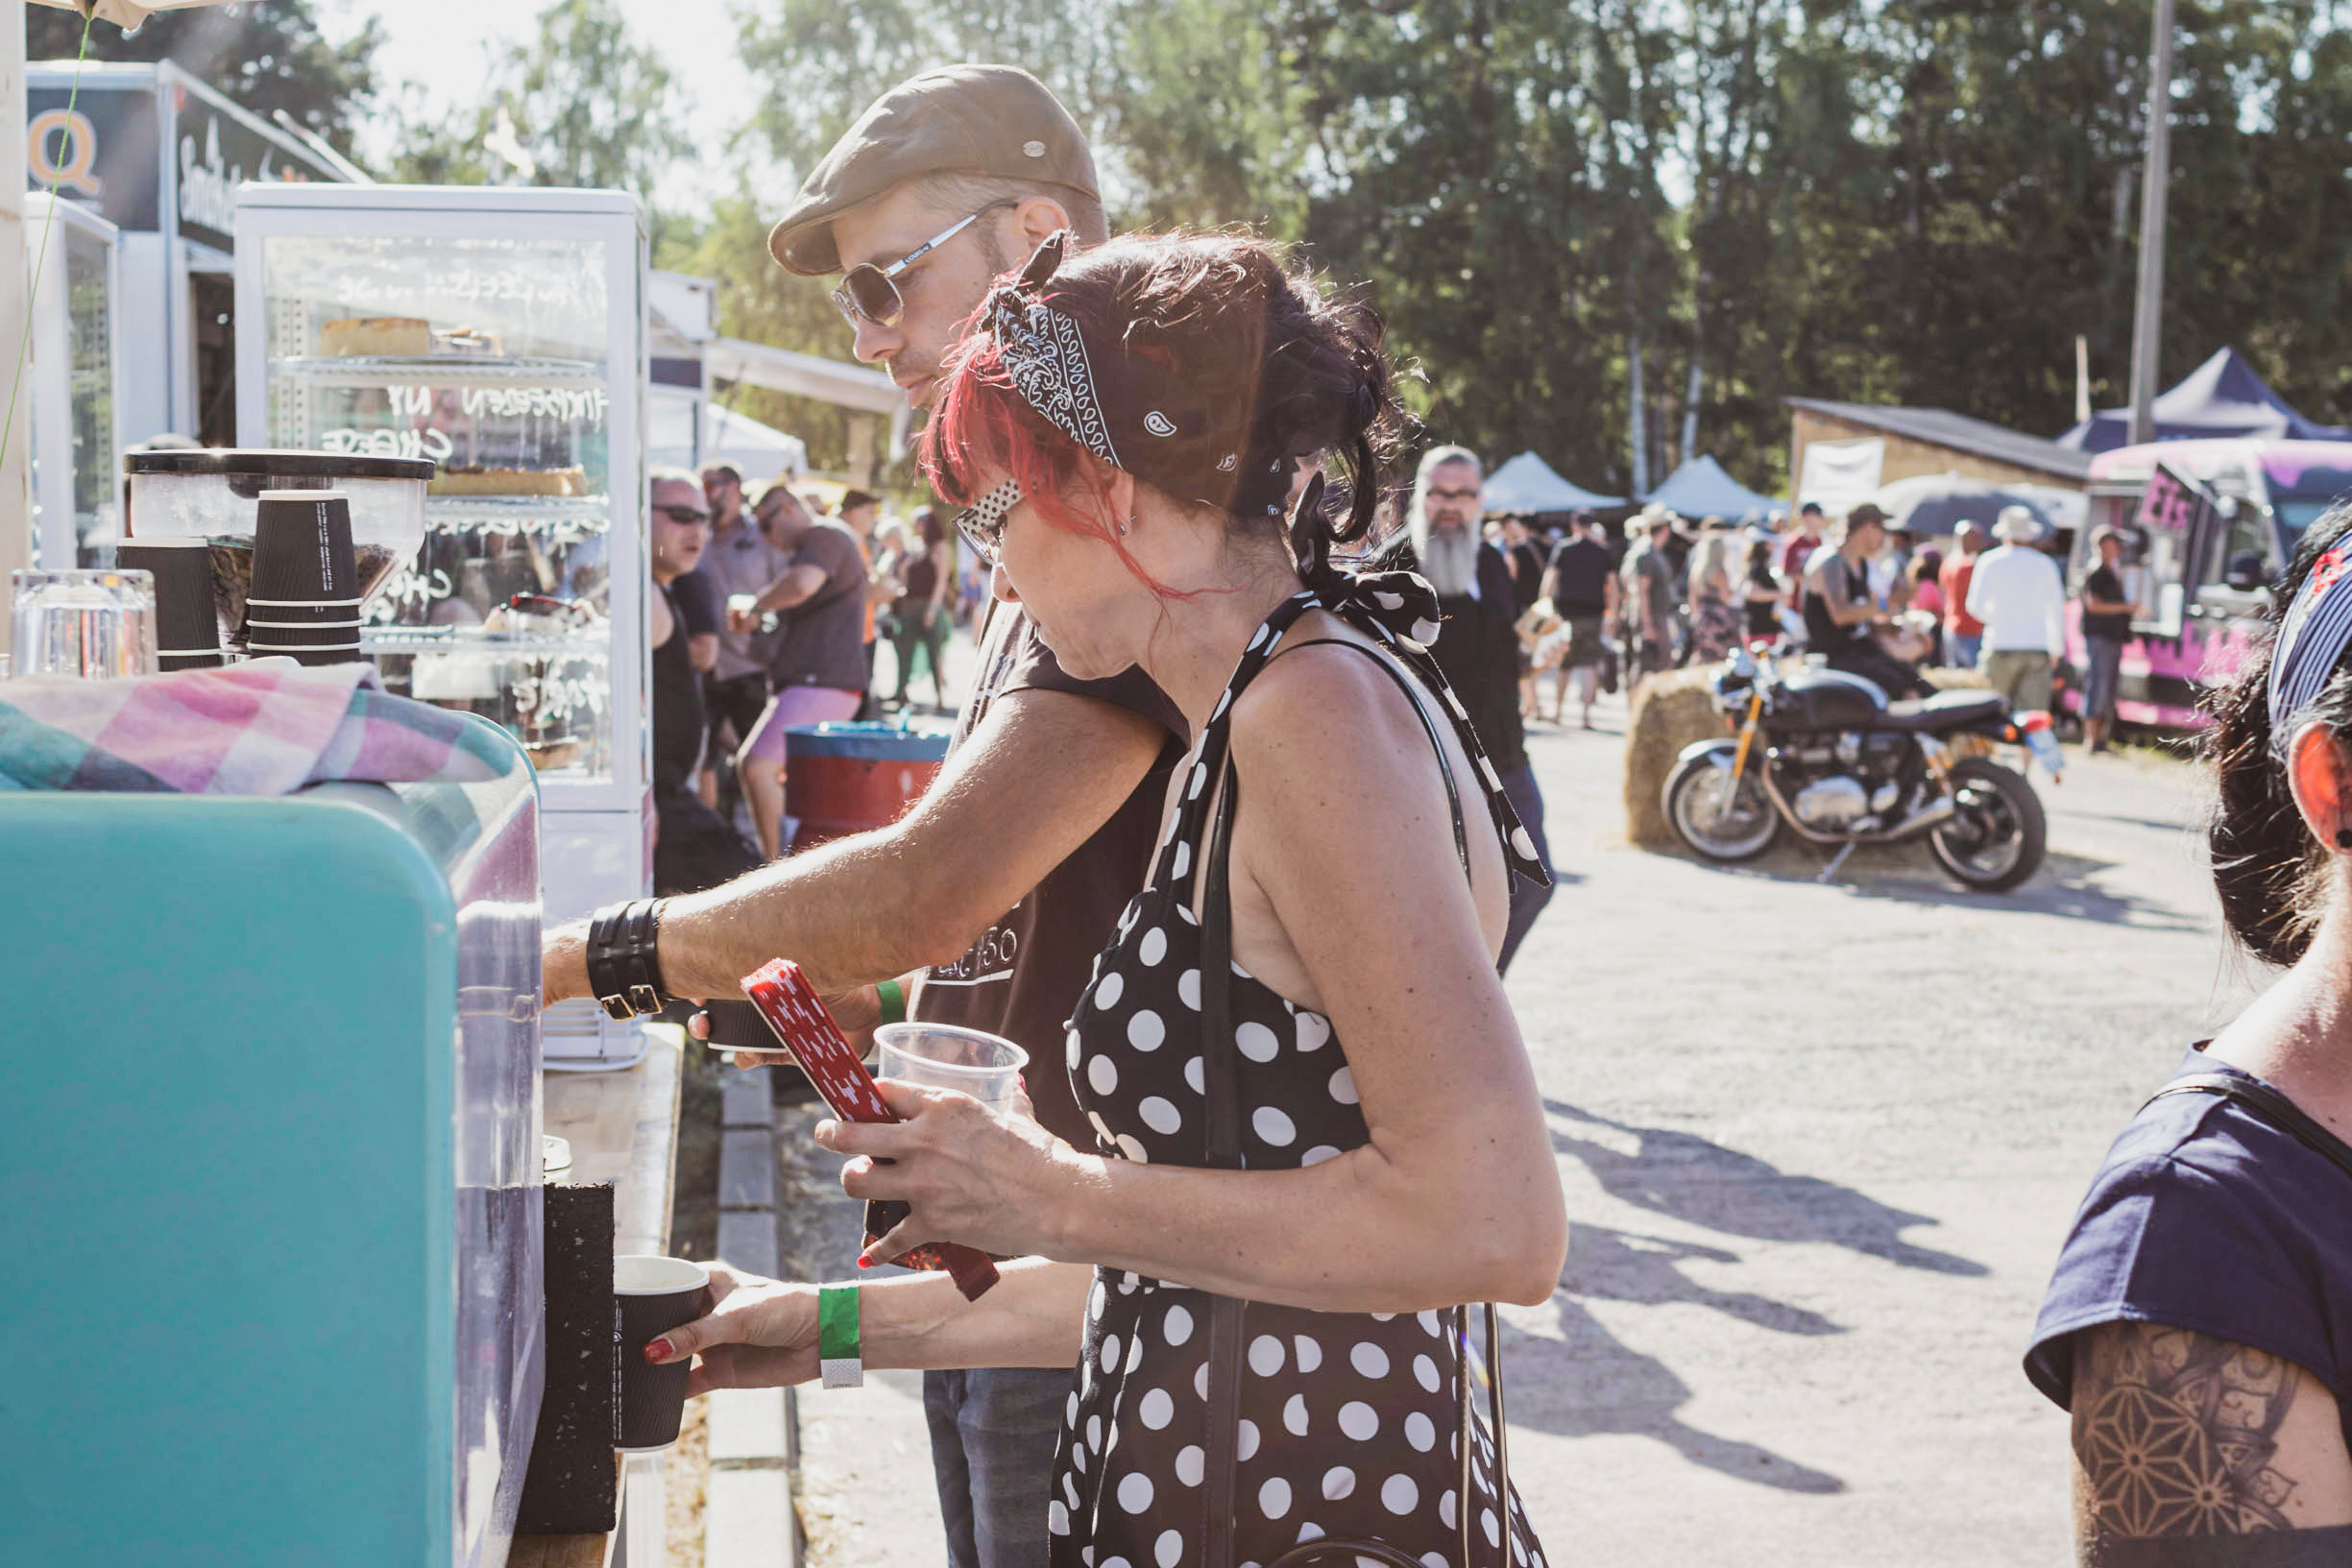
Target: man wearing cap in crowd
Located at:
point(2017, 592)
point(1010, 875)
point(1646, 594)
point(1841, 618)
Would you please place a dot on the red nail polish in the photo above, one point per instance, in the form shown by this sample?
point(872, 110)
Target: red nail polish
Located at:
point(658, 1351)
point(864, 1262)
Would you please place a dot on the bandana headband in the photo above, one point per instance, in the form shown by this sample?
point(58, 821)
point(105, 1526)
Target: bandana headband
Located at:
point(1119, 405)
point(2311, 640)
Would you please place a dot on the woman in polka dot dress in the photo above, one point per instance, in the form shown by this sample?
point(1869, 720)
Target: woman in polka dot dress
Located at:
point(1128, 425)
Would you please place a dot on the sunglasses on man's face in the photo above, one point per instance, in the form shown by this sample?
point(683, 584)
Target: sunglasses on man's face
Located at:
point(870, 293)
point(1450, 493)
point(684, 517)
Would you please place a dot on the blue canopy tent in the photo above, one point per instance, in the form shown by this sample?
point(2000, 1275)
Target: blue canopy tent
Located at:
point(1700, 489)
point(2223, 396)
point(1529, 483)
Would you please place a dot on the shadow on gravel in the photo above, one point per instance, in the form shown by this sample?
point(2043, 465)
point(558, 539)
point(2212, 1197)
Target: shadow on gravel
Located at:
point(1682, 1175)
point(1589, 1384)
point(1621, 1265)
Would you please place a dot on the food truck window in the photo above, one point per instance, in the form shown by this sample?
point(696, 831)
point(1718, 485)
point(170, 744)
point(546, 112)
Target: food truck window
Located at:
point(2247, 535)
point(212, 302)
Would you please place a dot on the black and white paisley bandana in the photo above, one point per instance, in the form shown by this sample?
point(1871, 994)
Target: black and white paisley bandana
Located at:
point(1126, 409)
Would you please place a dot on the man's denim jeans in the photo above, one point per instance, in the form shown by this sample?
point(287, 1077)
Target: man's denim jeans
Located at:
point(993, 1433)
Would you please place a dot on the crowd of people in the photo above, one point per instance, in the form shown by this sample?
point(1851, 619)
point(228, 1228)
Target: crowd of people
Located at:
point(1862, 592)
point(768, 613)
point(1235, 838)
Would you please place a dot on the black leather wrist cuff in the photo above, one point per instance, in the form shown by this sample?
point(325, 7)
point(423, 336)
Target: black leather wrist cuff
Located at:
point(622, 969)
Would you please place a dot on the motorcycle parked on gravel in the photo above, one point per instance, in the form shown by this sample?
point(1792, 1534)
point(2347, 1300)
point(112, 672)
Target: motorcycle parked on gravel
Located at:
point(1826, 755)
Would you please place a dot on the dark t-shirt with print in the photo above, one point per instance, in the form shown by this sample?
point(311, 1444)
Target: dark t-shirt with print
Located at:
point(823, 642)
point(1022, 979)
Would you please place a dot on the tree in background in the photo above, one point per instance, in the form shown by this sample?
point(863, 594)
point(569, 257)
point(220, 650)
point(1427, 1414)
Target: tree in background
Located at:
point(1599, 226)
point(760, 301)
point(266, 55)
point(586, 106)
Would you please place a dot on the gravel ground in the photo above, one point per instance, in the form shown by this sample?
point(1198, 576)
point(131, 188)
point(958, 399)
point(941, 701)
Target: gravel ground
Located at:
point(1819, 1144)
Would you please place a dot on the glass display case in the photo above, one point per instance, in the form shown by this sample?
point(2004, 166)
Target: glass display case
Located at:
point(72, 263)
point(499, 332)
point(488, 355)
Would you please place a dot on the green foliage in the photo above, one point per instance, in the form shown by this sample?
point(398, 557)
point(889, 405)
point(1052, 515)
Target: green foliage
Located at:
point(760, 302)
point(266, 55)
point(585, 106)
point(1901, 200)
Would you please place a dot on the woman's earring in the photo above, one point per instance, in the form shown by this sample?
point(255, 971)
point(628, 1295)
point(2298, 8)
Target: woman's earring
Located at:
point(1130, 522)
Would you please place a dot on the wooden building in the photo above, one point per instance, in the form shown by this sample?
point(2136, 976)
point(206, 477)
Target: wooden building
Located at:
point(1927, 441)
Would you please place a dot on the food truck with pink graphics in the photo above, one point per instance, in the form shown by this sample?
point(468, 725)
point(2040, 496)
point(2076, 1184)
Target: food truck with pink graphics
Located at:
point(2207, 526)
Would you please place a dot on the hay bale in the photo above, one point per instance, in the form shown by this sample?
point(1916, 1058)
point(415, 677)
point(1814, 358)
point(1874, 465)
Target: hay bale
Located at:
point(1672, 710)
point(1669, 712)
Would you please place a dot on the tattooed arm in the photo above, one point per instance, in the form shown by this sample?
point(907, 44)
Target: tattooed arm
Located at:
point(2185, 1445)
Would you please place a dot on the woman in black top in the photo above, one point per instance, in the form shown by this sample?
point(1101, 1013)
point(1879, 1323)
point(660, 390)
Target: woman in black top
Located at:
point(2200, 1323)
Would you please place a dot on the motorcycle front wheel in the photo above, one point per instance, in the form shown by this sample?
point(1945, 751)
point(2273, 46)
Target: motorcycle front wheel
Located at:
point(1995, 835)
point(1719, 820)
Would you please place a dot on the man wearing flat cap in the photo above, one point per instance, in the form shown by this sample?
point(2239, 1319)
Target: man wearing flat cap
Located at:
point(1841, 618)
point(1010, 875)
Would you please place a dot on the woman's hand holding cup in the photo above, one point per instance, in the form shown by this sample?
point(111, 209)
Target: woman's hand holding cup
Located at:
point(759, 1334)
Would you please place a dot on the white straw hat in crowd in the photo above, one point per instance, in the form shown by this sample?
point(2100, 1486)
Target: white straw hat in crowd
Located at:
point(2016, 525)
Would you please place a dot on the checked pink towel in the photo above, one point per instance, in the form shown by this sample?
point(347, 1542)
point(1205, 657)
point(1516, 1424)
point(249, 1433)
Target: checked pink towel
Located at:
point(266, 727)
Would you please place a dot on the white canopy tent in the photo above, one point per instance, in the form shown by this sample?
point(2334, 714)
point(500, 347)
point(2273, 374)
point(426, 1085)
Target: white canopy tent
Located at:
point(859, 387)
point(1529, 483)
point(755, 451)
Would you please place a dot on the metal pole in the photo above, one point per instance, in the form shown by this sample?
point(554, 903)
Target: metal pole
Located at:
point(2147, 322)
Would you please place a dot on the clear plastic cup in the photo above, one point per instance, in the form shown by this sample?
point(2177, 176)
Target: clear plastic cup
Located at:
point(96, 625)
point(943, 1056)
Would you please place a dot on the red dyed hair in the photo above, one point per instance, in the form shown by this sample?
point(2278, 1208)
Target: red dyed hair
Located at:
point(1278, 370)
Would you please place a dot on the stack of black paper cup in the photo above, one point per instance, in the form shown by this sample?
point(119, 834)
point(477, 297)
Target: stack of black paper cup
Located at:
point(188, 630)
point(305, 595)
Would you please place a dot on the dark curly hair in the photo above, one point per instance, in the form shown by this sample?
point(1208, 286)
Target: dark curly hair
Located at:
point(2270, 872)
point(1283, 369)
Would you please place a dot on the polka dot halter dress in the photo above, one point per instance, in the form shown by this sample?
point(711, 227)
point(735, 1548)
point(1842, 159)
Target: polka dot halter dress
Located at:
point(1350, 1422)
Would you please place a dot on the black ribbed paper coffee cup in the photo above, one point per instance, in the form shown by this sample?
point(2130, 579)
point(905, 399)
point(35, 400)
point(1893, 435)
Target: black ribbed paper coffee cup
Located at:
point(188, 630)
point(651, 1296)
point(342, 653)
point(302, 552)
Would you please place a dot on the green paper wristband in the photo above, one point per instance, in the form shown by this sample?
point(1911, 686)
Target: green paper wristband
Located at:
point(838, 1357)
point(893, 1001)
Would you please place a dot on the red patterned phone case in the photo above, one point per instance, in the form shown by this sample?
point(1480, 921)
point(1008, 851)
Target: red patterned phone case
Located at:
point(785, 998)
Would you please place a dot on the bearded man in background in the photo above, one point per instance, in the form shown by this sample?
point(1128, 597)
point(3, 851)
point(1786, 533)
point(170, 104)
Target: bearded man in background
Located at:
point(1477, 646)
